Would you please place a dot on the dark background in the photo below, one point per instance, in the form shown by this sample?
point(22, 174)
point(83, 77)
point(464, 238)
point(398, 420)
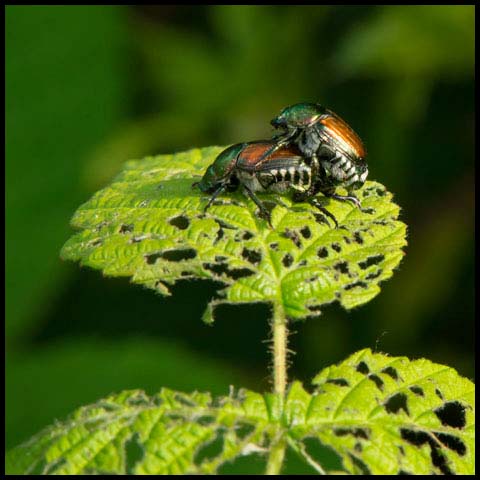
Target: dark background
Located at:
point(90, 87)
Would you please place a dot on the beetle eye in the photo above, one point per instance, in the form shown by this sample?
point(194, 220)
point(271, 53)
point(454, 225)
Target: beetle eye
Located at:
point(277, 123)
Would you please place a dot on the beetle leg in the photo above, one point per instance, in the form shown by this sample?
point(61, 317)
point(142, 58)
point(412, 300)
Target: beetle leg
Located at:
point(263, 210)
point(346, 198)
point(318, 205)
point(216, 193)
point(315, 169)
point(306, 196)
point(284, 140)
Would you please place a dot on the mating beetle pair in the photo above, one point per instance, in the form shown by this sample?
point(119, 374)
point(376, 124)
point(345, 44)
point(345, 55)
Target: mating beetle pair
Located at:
point(316, 152)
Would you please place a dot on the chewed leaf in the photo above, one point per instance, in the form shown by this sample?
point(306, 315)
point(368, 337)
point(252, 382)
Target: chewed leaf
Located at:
point(392, 415)
point(149, 224)
point(380, 414)
point(167, 434)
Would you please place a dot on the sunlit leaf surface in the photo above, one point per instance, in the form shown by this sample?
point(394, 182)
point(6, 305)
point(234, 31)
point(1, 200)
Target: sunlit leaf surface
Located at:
point(149, 224)
point(380, 414)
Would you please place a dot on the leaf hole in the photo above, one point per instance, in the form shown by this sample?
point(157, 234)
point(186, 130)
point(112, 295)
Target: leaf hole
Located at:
point(358, 237)
point(243, 430)
point(417, 390)
point(336, 247)
point(151, 258)
point(181, 222)
point(452, 442)
point(322, 252)
point(209, 451)
point(362, 367)
point(220, 234)
point(439, 394)
point(373, 275)
point(342, 267)
point(305, 231)
point(396, 403)
point(355, 285)
point(237, 273)
point(341, 382)
point(329, 458)
point(377, 380)
point(451, 414)
point(287, 260)
point(274, 246)
point(372, 260)
point(251, 256)
point(415, 437)
point(133, 452)
point(392, 372)
point(419, 438)
point(171, 255)
point(222, 269)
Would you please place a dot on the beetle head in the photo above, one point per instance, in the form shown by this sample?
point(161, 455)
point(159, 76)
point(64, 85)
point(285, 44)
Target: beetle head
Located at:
point(300, 115)
point(209, 181)
point(220, 171)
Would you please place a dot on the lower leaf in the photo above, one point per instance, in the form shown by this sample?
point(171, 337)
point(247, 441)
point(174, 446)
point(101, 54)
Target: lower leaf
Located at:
point(380, 414)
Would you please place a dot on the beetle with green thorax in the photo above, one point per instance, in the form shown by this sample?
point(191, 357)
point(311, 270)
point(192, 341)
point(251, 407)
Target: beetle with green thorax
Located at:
point(328, 142)
point(250, 166)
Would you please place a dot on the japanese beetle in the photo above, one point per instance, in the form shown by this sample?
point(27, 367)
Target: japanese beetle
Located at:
point(328, 141)
point(251, 166)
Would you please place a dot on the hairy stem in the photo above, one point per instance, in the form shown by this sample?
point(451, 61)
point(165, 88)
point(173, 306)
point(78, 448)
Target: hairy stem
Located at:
point(279, 330)
point(275, 459)
point(279, 327)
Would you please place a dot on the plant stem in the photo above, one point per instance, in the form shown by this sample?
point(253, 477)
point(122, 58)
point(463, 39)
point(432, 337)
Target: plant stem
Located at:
point(275, 459)
point(279, 327)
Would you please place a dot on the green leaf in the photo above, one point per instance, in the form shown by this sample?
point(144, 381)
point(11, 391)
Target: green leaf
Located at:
point(382, 415)
point(170, 428)
point(150, 225)
point(387, 415)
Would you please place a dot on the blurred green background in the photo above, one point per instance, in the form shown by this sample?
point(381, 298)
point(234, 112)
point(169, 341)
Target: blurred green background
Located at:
point(89, 87)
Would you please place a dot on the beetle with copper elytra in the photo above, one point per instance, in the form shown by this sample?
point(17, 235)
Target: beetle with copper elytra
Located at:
point(328, 142)
point(251, 166)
